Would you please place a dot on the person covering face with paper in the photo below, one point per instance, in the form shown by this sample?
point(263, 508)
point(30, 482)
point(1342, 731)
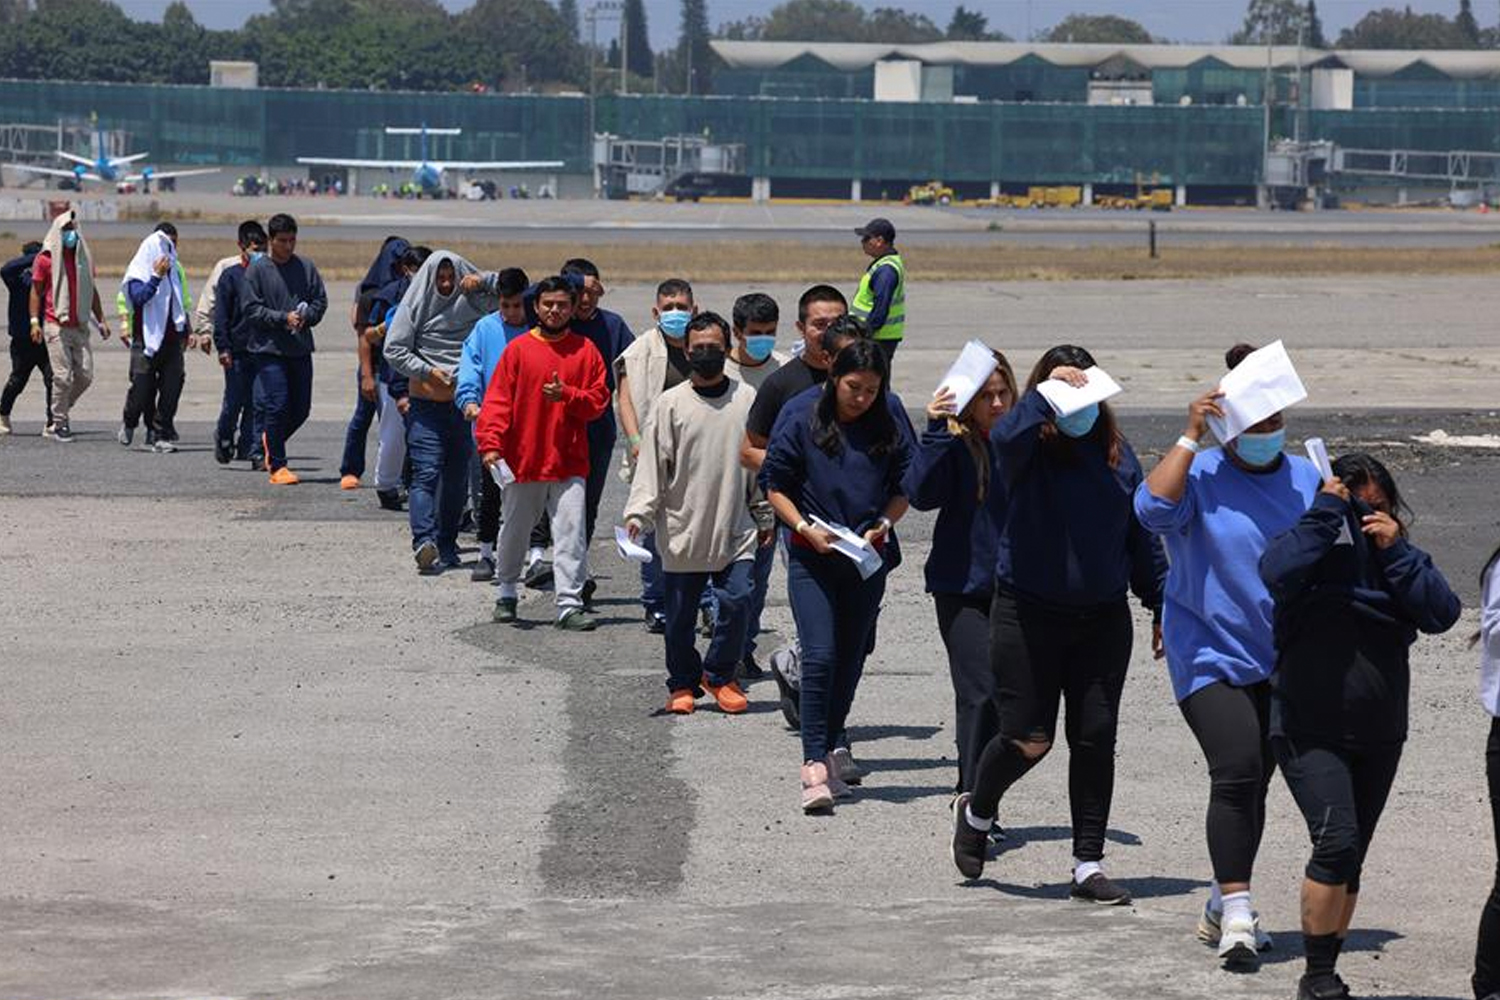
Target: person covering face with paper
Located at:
point(1351, 595)
point(837, 454)
point(955, 472)
point(1068, 550)
point(1215, 510)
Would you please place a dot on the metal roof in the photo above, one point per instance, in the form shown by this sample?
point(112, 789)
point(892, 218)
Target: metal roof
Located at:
point(853, 56)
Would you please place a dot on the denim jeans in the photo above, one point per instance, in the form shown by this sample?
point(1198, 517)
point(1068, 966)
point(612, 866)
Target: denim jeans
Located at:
point(236, 427)
point(283, 398)
point(732, 587)
point(353, 462)
point(765, 558)
point(835, 613)
point(439, 443)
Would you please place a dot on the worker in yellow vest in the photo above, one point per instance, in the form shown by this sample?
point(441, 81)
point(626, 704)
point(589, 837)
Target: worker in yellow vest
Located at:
point(881, 299)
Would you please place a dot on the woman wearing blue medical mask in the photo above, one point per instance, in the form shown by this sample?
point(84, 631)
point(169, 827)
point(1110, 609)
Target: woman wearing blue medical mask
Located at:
point(1216, 509)
point(1069, 550)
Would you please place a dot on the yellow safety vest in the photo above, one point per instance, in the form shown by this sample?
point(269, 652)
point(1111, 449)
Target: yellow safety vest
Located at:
point(864, 299)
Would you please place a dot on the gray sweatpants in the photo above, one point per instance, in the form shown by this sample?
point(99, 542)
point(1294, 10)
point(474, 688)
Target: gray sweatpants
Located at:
point(523, 504)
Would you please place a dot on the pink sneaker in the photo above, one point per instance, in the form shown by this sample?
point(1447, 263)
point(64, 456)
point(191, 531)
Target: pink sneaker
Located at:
point(838, 786)
point(815, 791)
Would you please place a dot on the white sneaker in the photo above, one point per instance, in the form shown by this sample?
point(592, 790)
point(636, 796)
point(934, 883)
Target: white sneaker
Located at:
point(1210, 932)
point(1237, 946)
point(4, 426)
point(49, 431)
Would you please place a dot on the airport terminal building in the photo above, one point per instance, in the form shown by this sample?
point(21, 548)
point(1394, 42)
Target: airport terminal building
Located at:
point(1216, 124)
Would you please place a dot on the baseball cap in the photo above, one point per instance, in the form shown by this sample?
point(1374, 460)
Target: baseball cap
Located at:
point(878, 227)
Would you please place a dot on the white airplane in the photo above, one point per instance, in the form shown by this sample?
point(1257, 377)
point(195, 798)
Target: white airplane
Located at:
point(427, 174)
point(106, 169)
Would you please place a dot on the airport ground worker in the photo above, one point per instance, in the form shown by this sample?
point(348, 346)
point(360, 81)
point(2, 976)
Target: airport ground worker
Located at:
point(881, 298)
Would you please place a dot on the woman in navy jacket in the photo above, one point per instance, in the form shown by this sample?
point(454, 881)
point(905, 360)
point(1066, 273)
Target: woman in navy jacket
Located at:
point(1351, 595)
point(954, 472)
point(1068, 549)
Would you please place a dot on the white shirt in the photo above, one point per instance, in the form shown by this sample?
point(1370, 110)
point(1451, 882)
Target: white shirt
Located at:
point(1489, 640)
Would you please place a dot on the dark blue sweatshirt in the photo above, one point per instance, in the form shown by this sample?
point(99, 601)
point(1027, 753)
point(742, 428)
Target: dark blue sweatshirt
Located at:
point(231, 326)
point(1068, 534)
point(17, 277)
point(1346, 615)
point(942, 477)
point(850, 488)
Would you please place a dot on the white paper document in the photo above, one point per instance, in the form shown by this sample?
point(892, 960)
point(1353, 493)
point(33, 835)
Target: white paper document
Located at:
point(1067, 400)
point(852, 546)
point(975, 364)
point(502, 475)
point(1262, 384)
point(630, 550)
point(1317, 452)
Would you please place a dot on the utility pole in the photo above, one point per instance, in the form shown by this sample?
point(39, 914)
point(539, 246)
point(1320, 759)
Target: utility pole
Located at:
point(624, 52)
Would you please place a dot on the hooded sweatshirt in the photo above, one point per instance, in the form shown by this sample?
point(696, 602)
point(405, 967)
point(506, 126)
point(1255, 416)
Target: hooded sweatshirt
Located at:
point(66, 277)
point(158, 307)
point(428, 330)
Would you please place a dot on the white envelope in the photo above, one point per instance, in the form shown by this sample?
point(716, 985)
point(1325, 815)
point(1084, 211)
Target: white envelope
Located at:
point(976, 362)
point(1262, 384)
point(851, 546)
point(630, 550)
point(1317, 451)
point(502, 475)
point(1067, 400)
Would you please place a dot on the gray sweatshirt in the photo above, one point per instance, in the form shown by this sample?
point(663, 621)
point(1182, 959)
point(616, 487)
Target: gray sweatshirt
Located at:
point(428, 329)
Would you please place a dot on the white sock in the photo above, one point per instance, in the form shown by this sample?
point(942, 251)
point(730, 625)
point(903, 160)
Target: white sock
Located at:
point(487, 551)
point(1082, 870)
point(1237, 906)
point(534, 556)
point(1215, 897)
point(977, 822)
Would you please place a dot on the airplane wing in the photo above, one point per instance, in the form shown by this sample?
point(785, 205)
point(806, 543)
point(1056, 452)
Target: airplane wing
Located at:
point(55, 172)
point(158, 175)
point(116, 161)
point(323, 161)
point(82, 161)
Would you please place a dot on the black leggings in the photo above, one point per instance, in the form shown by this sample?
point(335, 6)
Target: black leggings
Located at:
point(1487, 955)
point(1341, 791)
point(1041, 654)
point(964, 623)
point(1231, 724)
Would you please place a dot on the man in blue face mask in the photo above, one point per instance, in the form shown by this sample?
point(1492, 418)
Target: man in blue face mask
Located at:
point(655, 362)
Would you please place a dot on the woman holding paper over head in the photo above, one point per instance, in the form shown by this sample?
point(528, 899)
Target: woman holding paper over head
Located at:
point(833, 474)
point(1351, 595)
point(1069, 549)
point(954, 472)
point(1216, 508)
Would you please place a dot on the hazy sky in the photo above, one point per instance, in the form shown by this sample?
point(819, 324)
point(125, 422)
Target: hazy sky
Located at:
point(1180, 20)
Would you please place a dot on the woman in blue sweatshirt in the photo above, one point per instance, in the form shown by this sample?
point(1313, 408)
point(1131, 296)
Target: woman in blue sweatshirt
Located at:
point(1216, 509)
point(954, 472)
point(839, 454)
point(1351, 595)
point(1069, 547)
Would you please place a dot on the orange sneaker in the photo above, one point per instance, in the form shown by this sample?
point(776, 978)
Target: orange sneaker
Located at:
point(680, 702)
point(729, 696)
point(349, 483)
point(284, 477)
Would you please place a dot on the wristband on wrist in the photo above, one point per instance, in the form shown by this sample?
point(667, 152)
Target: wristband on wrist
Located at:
point(634, 439)
point(1189, 444)
point(801, 527)
point(886, 522)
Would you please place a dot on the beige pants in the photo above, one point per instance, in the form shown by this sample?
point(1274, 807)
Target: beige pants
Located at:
point(72, 366)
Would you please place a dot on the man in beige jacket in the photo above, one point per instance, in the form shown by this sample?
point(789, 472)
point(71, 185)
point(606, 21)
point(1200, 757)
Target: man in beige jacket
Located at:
point(707, 514)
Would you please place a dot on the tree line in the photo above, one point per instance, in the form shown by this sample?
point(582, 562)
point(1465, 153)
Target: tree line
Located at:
point(537, 45)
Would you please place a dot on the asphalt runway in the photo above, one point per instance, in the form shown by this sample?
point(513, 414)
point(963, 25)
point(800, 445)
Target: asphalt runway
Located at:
point(249, 753)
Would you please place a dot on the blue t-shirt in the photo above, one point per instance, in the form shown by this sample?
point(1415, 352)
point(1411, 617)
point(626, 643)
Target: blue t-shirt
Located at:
point(1216, 620)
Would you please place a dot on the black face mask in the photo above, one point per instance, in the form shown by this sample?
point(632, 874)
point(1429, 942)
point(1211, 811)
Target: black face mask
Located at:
point(707, 361)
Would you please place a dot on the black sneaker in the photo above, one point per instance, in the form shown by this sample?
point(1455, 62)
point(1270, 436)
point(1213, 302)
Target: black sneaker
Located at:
point(656, 624)
point(505, 611)
point(1329, 987)
point(257, 464)
point(590, 587)
point(483, 571)
point(970, 848)
point(223, 454)
point(62, 432)
point(538, 575)
point(749, 670)
point(389, 499)
point(1098, 888)
point(426, 556)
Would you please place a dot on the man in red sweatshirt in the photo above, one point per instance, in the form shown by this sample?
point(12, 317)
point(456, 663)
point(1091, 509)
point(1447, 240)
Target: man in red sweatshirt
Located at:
point(533, 435)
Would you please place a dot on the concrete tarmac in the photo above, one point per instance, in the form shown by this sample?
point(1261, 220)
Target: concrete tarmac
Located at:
point(249, 753)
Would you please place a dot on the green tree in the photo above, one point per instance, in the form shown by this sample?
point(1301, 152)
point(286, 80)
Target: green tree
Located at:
point(1315, 37)
point(971, 26)
point(524, 39)
point(815, 21)
point(12, 11)
point(748, 29)
point(638, 57)
point(73, 40)
point(689, 68)
point(568, 11)
point(892, 25)
point(1389, 28)
point(1107, 29)
point(1466, 24)
point(1270, 22)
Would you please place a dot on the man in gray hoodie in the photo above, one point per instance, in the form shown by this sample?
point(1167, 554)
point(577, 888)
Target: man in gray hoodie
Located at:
point(424, 341)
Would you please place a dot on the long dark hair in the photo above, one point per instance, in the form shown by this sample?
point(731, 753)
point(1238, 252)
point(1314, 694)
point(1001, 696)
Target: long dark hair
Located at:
point(962, 426)
point(1358, 469)
point(827, 434)
point(1106, 429)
